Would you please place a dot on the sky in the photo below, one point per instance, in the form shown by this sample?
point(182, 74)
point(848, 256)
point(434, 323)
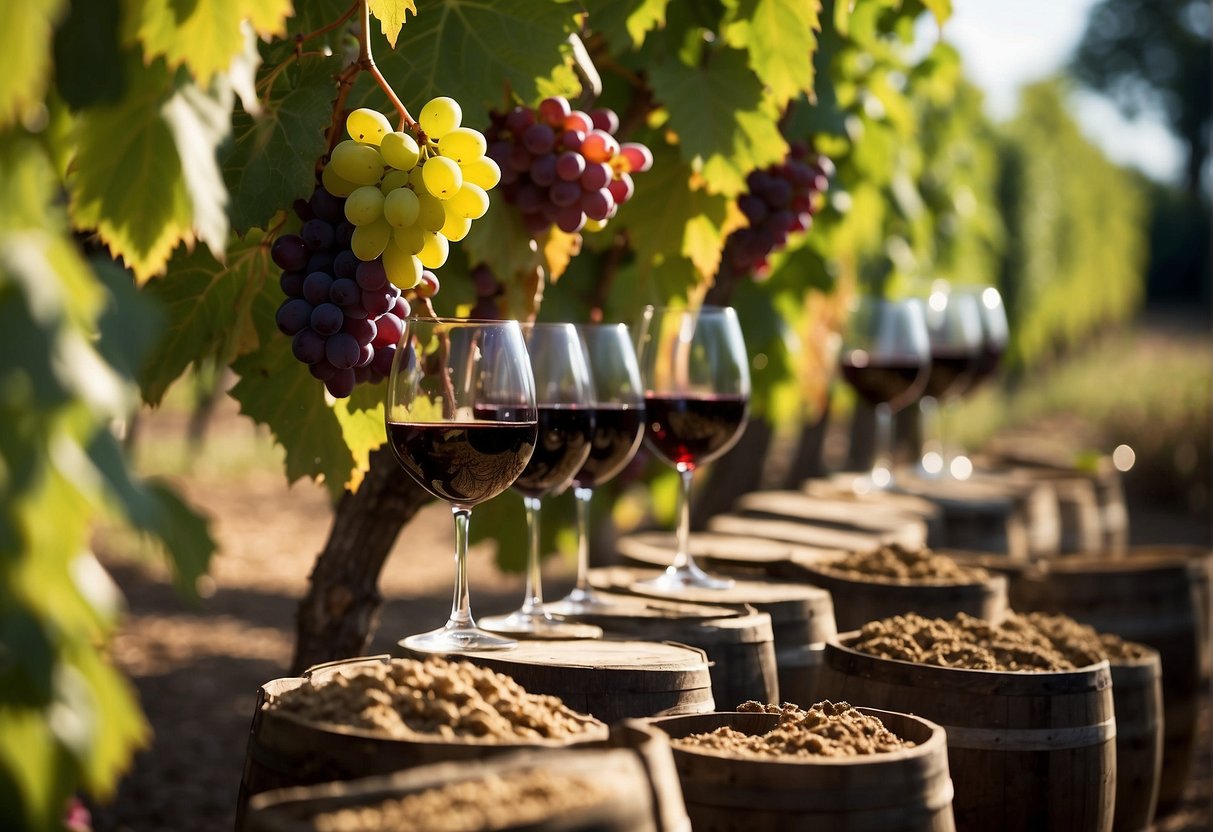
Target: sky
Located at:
point(1006, 45)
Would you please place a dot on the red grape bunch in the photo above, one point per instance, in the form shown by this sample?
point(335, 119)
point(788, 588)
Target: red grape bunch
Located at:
point(780, 200)
point(562, 166)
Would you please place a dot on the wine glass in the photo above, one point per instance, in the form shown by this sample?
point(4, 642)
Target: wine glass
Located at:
point(995, 333)
point(954, 327)
point(564, 398)
point(885, 357)
point(618, 430)
point(461, 420)
point(697, 398)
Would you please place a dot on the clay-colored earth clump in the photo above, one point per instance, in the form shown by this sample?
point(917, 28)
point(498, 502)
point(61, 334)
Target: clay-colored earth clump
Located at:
point(827, 729)
point(903, 565)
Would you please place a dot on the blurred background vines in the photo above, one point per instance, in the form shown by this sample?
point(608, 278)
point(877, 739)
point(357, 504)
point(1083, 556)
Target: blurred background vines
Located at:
point(150, 152)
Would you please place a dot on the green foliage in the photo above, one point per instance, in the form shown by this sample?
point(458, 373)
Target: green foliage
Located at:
point(1076, 243)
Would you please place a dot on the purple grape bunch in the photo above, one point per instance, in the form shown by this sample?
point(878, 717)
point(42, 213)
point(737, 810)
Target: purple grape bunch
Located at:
point(780, 201)
point(564, 167)
point(343, 315)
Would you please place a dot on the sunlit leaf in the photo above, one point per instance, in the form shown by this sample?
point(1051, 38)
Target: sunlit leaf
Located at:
point(204, 35)
point(391, 15)
point(724, 122)
point(25, 55)
point(780, 37)
point(625, 24)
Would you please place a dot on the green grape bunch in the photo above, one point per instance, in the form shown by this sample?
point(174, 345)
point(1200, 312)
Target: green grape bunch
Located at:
point(409, 195)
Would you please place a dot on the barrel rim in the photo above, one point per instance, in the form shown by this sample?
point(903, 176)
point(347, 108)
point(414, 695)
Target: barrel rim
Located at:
point(1101, 667)
point(1099, 565)
point(936, 743)
point(992, 583)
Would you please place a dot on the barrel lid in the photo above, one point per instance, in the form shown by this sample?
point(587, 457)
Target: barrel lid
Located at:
point(805, 534)
point(657, 548)
point(905, 527)
point(769, 595)
point(597, 654)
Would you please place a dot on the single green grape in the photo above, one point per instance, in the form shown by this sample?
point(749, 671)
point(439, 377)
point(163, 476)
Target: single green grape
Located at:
point(470, 201)
point(400, 150)
point(442, 177)
point(370, 240)
point(416, 182)
point(367, 126)
point(364, 205)
point(462, 145)
point(403, 269)
point(401, 208)
point(483, 172)
point(334, 184)
point(440, 116)
point(409, 239)
point(456, 227)
point(357, 163)
point(392, 180)
point(431, 215)
point(434, 253)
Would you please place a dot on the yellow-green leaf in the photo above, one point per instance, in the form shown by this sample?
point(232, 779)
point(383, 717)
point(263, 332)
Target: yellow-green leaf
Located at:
point(204, 35)
point(942, 9)
point(625, 24)
point(726, 126)
point(25, 55)
point(558, 249)
point(391, 14)
point(780, 37)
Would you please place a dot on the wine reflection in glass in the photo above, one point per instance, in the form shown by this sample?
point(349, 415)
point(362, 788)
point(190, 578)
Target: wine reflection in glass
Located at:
point(461, 420)
point(618, 431)
point(564, 399)
point(954, 327)
point(885, 357)
point(995, 334)
point(696, 379)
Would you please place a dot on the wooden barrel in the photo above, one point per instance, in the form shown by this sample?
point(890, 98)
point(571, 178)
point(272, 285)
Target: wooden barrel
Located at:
point(1200, 560)
point(899, 791)
point(802, 534)
point(1137, 700)
point(858, 600)
point(891, 524)
point(739, 644)
point(1150, 600)
point(802, 620)
point(610, 679)
point(840, 487)
point(652, 748)
point(1027, 751)
point(285, 750)
point(733, 554)
point(993, 514)
point(618, 798)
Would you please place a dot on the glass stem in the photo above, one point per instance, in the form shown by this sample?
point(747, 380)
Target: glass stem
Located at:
point(683, 559)
point(533, 596)
point(882, 460)
point(582, 497)
point(932, 445)
point(461, 605)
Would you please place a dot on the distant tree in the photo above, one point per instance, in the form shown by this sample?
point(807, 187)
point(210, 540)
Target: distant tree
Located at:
point(1154, 55)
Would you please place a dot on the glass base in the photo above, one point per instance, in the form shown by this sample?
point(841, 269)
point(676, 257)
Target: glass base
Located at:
point(690, 576)
point(878, 479)
point(456, 639)
point(539, 624)
point(588, 602)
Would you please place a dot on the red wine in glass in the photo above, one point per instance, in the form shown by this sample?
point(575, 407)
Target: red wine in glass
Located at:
point(463, 462)
point(893, 381)
point(689, 430)
point(565, 433)
point(951, 372)
point(618, 431)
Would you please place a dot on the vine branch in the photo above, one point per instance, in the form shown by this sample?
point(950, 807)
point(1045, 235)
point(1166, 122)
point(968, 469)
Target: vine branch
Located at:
point(366, 62)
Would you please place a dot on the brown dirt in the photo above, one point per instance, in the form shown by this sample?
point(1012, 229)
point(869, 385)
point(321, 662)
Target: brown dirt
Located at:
point(197, 666)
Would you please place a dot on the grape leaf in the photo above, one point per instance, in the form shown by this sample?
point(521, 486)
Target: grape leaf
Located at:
point(724, 122)
point(780, 37)
point(942, 9)
point(199, 121)
point(625, 24)
point(207, 306)
point(279, 392)
point(272, 159)
point(672, 211)
point(500, 240)
point(25, 55)
point(558, 249)
point(391, 15)
point(128, 181)
point(468, 49)
point(204, 35)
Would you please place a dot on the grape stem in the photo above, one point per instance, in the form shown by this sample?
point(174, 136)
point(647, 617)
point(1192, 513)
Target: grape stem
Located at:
point(328, 27)
point(366, 61)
